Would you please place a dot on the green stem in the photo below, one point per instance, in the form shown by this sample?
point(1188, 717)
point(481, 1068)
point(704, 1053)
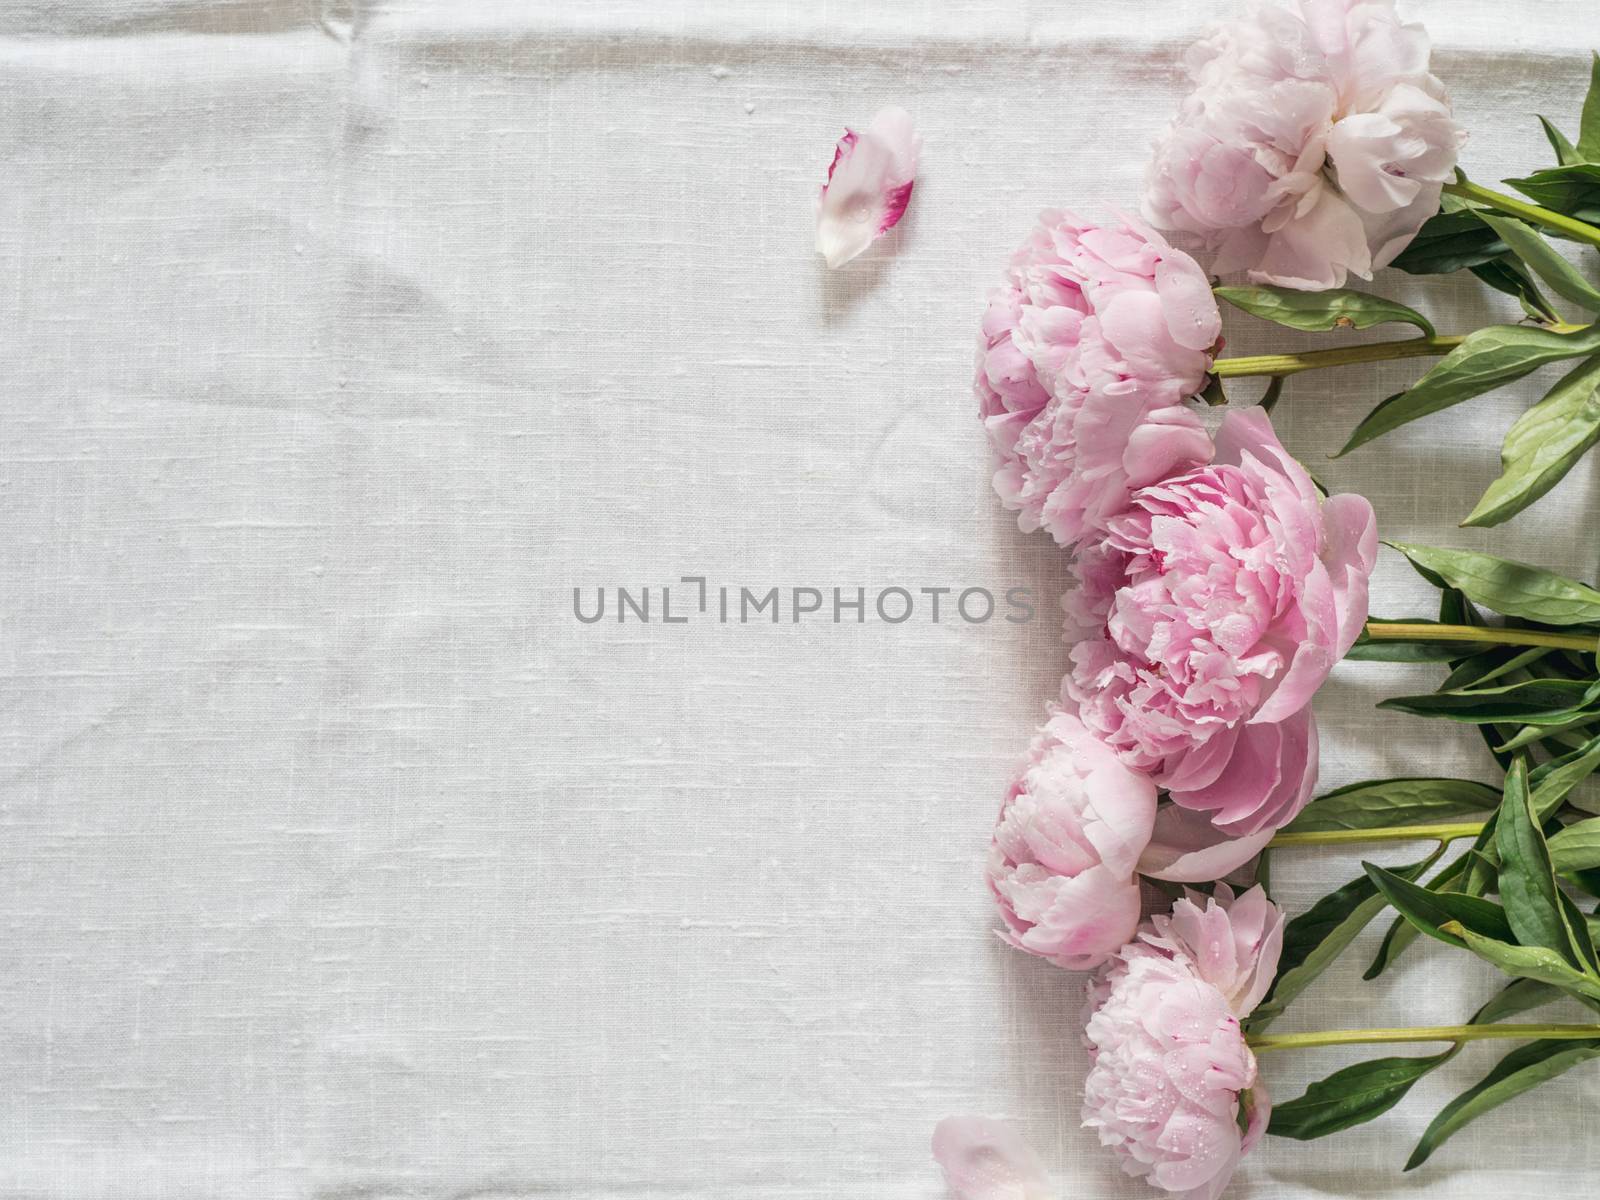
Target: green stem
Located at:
point(1442, 832)
point(1311, 360)
point(1398, 632)
point(1417, 1033)
point(1570, 226)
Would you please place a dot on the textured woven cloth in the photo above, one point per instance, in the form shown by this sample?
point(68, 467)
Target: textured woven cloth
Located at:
point(341, 343)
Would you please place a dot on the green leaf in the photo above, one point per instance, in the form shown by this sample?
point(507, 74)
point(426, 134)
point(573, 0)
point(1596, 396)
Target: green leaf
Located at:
point(1449, 241)
point(1543, 445)
point(1336, 308)
point(1589, 123)
point(1490, 665)
point(1566, 153)
point(1468, 874)
point(1367, 1090)
point(1546, 261)
point(1573, 189)
point(1396, 940)
point(1531, 702)
point(1517, 997)
point(1523, 1069)
point(1432, 912)
point(1401, 932)
point(1527, 883)
point(1580, 936)
point(1542, 733)
point(1456, 609)
point(1352, 1096)
point(1526, 962)
point(1577, 847)
point(1319, 935)
point(1380, 803)
point(1506, 275)
point(1484, 360)
point(1553, 780)
point(1482, 870)
point(1512, 588)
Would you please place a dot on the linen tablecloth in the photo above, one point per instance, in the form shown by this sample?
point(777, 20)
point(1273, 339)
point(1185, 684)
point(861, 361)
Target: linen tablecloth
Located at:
point(342, 342)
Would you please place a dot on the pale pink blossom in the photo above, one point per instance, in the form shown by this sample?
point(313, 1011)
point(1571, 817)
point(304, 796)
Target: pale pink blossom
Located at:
point(984, 1159)
point(1170, 1073)
point(1313, 146)
point(869, 185)
point(1067, 845)
point(1206, 619)
point(1086, 355)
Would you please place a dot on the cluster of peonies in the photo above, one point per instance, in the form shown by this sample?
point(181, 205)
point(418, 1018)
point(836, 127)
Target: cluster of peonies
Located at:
point(1216, 585)
point(1217, 589)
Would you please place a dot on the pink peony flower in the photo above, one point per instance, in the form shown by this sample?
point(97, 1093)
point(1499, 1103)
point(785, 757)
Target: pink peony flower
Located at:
point(1314, 144)
point(1085, 356)
point(1169, 1067)
point(985, 1159)
point(1206, 619)
point(1067, 845)
point(869, 185)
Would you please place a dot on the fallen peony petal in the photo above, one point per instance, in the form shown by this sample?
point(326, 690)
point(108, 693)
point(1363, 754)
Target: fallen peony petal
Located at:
point(984, 1159)
point(869, 185)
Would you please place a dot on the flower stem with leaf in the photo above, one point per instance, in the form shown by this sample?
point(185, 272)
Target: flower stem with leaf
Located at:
point(1480, 635)
point(1571, 226)
point(1418, 1033)
point(1442, 832)
point(1311, 360)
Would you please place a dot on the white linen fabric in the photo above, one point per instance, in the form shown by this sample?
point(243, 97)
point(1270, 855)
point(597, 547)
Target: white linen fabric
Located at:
point(342, 342)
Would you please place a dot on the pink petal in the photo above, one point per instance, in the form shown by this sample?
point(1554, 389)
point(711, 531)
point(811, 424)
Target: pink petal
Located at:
point(1390, 233)
point(1351, 528)
point(1248, 432)
point(1363, 146)
point(1188, 848)
point(1198, 767)
point(1317, 250)
point(1192, 315)
point(1090, 917)
point(1266, 782)
point(1260, 1103)
point(869, 186)
point(984, 1159)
